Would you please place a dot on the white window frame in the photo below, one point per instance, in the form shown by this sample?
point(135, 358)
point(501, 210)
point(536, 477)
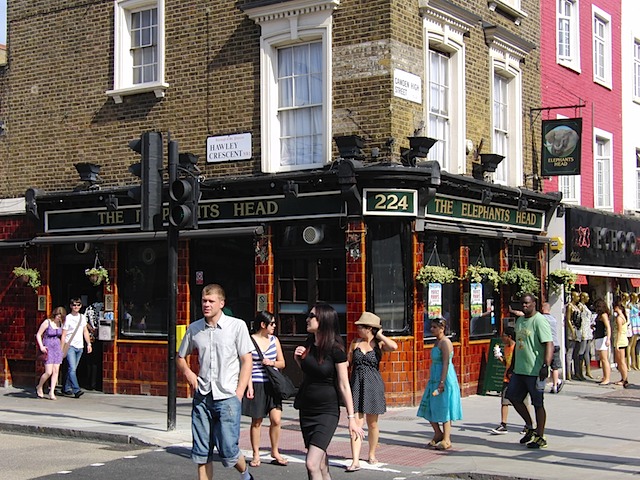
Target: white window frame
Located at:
point(445, 33)
point(636, 70)
point(604, 164)
point(123, 64)
point(569, 185)
point(602, 66)
point(572, 60)
point(512, 8)
point(288, 24)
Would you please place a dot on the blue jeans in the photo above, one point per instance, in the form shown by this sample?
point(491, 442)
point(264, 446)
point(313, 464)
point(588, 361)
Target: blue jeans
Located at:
point(73, 359)
point(216, 421)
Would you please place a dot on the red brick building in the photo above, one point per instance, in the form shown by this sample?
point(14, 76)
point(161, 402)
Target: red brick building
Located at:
point(259, 90)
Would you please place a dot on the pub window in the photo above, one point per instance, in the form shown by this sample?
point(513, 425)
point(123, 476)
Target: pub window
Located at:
point(390, 267)
point(142, 283)
point(484, 297)
point(446, 247)
point(310, 269)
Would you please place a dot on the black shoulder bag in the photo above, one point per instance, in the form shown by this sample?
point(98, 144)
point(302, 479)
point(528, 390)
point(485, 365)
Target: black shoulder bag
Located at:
point(282, 385)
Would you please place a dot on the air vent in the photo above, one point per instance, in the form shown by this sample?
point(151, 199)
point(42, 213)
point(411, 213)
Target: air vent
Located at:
point(312, 235)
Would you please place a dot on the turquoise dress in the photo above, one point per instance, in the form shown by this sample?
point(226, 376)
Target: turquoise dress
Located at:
point(447, 405)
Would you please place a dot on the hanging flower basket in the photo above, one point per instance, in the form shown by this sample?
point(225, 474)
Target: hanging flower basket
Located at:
point(521, 280)
point(479, 274)
point(28, 276)
point(564, 277)
point(97, 275)
point(436, 274)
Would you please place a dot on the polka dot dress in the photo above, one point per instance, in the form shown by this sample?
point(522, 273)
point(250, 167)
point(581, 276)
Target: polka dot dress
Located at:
point(367, 386)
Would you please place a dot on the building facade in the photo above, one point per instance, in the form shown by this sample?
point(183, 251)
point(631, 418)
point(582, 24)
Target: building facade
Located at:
point(288, 217)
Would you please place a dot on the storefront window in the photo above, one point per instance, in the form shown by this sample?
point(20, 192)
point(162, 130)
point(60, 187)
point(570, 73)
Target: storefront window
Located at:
point(484, 297)
point(390, 265)
point(310, 268)
point(142, 282)
point(443, 248)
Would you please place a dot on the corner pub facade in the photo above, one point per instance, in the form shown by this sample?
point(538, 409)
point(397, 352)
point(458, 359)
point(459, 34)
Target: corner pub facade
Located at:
point(280, 229)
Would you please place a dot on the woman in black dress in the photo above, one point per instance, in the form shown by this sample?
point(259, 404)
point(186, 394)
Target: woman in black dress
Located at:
point(324, 364)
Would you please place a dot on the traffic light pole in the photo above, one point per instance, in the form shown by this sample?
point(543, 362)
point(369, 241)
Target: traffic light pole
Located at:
point(172, 297)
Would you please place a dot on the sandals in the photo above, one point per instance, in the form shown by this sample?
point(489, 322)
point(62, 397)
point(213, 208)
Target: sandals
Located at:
point(352, 468)
point(282, 462)
point(255, 463)
point(373, 461)
point(433, 443)
point(623, 383)
point(442, 445)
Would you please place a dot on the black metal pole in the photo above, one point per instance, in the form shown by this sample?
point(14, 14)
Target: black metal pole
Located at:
point(172, 296)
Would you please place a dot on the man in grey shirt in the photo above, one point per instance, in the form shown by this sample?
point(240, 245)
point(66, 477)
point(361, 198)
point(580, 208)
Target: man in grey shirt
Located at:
point(224, 355)
point(556, 365)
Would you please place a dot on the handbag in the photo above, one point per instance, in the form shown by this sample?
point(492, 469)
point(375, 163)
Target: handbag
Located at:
point(42, 357)
point(282, 385)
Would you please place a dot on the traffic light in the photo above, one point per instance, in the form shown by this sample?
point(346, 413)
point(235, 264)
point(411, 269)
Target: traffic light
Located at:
point(184, 193)
point(149, 170)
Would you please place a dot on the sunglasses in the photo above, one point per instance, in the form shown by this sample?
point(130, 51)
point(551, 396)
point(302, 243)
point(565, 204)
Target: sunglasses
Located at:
point(271, 323)
point(76, 304)
point(311, 315)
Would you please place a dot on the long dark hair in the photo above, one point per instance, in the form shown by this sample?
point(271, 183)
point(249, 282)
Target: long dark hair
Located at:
point(262, 317)
point(618, 303)
point(328, 334)
point(601, 307)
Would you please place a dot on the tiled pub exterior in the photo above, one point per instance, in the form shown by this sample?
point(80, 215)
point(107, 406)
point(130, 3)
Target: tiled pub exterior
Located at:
point(271, 247)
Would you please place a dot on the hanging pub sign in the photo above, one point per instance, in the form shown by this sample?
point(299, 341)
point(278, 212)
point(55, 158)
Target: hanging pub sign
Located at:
point(561, 142)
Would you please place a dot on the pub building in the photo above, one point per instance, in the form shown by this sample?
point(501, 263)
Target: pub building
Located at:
point(352, 234)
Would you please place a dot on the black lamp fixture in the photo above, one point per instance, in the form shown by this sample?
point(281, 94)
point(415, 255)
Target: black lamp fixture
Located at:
point(350, 146)
point(89, 172)
point(523, 204)
point(111, 202)
point(490, 162)
point(290, 189)
point(418, 148)
point(31, 204)
point(560, 211)
point(486, 197)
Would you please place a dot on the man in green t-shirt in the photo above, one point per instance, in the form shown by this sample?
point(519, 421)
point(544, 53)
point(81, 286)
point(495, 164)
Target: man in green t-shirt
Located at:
point(531, 358)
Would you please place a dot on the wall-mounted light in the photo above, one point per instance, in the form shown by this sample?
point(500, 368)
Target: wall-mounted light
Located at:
point(486, 197)
point(111, 202)
point(488, 164)
point(523, 204)
point(350, 146)
point(31, 205)
point(89, 172)
point(290, 189)
point(418, 148)
point(560, 211)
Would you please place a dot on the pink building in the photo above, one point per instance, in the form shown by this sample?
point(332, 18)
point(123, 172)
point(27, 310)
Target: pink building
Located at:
point(581, 70)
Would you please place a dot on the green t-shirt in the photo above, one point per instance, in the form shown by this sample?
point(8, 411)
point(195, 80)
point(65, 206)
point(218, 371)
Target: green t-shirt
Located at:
point(532, 334)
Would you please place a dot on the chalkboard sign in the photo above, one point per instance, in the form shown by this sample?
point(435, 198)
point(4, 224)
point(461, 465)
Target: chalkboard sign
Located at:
point(494, 371)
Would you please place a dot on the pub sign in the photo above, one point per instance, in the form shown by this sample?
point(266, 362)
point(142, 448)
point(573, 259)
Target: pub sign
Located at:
point(561, 146)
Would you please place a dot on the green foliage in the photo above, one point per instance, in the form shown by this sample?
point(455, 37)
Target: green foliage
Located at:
point(478, 274)
point(436, 274)
point(97, 275)
point(32, 274)
point(562, 277)
point(522, 280)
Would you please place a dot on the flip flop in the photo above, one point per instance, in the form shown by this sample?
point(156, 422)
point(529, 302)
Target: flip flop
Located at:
point(255, 463)
point(281, 462)
point(351, 468)
point(373, 461)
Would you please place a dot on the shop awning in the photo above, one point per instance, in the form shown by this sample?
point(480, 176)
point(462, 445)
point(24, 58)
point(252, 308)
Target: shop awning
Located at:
point(148, 236)
point(610, 272)
point(581, 280)
point(635, 282)
point(422, 225)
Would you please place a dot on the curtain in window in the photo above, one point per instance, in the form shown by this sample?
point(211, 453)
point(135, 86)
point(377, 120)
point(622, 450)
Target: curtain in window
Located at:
point(300, 104)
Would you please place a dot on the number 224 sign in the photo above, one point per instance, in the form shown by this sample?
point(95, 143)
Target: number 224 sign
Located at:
point(397, 202)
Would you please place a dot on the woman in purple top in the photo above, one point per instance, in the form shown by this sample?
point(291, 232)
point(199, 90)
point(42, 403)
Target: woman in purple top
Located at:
point(49, 342)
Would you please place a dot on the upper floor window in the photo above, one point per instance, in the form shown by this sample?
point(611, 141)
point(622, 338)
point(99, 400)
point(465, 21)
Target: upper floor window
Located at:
point(568, 38)
point(295, 68)
point(300, 104)
point(139, 47)
point(444, 47)
point(636, 69)
point(601, 47)
point(637, 178)
point(603, 167)
point(506, 54)
point(439, 119)
point(569, 185)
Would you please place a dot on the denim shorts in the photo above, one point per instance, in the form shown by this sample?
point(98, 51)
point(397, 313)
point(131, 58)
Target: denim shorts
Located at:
point(520, 385)
point(217, 421)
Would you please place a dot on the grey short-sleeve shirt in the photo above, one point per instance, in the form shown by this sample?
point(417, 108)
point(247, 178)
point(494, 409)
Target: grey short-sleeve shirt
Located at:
point(219, 351)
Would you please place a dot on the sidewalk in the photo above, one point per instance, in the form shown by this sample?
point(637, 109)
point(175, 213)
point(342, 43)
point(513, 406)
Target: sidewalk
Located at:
point(592, 432)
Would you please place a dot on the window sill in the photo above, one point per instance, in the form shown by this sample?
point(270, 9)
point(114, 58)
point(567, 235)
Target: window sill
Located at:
point(158, 88)
point(605, 83)
point(505, 7)
point(570, 64)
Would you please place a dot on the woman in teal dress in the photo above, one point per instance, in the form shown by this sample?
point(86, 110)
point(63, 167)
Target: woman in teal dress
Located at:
point(441, 400)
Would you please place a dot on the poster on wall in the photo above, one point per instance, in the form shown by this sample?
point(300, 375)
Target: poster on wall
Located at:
point(561, 146)
point(475, 302)
point(435, 300)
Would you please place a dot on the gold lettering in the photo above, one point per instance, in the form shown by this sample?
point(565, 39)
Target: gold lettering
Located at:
point(111, 218)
